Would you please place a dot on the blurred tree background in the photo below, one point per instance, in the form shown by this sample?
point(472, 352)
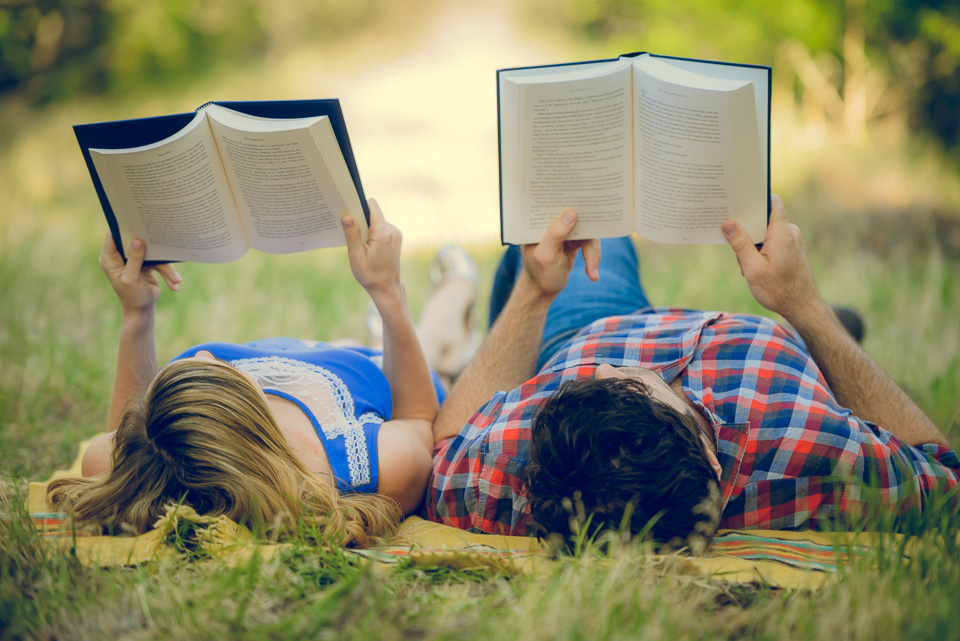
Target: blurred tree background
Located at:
point(849, 62)
point(845, 62)
point(52, 50)
point(878, 77)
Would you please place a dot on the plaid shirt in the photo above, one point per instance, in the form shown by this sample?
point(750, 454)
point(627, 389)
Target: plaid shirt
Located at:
point(789, 453)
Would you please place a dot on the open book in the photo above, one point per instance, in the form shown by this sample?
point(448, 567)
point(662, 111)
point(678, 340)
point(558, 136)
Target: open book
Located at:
point(207, 186)
point(664, 147)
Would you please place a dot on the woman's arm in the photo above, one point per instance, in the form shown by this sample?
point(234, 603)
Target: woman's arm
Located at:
point(138, 289)
point(136, 361)
point(404, 463)
point(376, 266)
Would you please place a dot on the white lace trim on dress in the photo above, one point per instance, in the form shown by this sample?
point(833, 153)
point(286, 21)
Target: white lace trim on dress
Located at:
point(327, 397)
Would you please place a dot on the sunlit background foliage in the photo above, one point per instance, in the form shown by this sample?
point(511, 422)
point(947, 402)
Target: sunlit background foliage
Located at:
point(52, 50)
point(850, 62)
point(854, 61)
point(865, 150)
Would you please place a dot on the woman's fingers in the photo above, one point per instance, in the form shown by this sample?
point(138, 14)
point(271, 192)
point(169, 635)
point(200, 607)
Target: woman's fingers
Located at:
point(131, 273)
point(170, 275)
point(110, 258)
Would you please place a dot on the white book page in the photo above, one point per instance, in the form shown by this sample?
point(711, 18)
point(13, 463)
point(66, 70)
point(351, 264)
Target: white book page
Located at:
point(175, 196)
point(287, 195)
point(760, 78)
point(572, 150)
point(335, 162)
point(697, 152)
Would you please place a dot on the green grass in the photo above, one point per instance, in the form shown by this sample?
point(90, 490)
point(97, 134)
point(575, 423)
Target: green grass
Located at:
point(58, 329)
point(57, 351)
point(312, 592)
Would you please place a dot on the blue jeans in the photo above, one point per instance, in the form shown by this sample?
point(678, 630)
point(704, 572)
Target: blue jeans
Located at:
point(582, 301)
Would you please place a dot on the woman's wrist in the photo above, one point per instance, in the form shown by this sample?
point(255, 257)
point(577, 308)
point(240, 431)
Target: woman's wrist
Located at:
point(388, 298)
point(138, 316)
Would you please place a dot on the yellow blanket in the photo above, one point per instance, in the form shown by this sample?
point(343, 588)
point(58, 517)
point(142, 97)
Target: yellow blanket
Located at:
point(776, 559)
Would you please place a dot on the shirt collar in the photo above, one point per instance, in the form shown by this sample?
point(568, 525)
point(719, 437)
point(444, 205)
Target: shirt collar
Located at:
point(731, 445)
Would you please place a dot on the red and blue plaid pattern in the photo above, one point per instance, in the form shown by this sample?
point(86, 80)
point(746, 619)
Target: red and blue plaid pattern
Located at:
point(790, 454)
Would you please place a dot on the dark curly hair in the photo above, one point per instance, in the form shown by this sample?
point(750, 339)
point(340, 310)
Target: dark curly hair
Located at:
point(605, 447)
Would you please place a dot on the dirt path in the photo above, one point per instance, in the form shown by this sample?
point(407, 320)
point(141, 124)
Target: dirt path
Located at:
point(424, 127)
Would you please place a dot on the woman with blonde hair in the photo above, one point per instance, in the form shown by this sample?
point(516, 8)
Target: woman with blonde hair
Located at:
point(276, 434)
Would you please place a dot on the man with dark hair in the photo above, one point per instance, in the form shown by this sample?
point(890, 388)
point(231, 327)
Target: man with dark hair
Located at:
point(620, 414)
point(629, 457)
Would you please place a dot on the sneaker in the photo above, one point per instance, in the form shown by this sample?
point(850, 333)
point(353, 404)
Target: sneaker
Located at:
point(448, 327)
point(851, 320)
point(452, 262)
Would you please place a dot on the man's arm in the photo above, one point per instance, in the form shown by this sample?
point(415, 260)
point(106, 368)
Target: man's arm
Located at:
point(781, 280)
point(508, 356)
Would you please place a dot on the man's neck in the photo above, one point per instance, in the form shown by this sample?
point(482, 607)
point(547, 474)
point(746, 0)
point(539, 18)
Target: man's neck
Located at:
point(677, 386)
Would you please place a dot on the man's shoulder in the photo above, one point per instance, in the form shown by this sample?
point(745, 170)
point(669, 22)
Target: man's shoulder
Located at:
point(504, 420)
point(678, 319)
point(654, 336)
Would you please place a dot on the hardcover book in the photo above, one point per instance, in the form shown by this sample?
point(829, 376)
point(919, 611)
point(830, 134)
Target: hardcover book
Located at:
point(207, 186)
point(664, 147)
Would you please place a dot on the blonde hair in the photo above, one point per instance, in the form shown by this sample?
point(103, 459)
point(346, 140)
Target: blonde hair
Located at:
point(203, 434)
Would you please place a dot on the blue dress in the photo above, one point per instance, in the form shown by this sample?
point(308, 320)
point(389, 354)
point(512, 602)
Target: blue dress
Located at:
point(343, 392)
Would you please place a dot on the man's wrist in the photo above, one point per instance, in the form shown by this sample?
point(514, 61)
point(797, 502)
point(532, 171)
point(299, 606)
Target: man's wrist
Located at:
point(530, 291)
point(810, 316)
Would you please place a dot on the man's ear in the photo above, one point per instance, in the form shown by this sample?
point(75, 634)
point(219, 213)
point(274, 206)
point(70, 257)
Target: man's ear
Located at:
point(711, 457)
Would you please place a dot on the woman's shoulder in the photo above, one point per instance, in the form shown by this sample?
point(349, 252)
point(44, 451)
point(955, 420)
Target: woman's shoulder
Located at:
point(404, 463)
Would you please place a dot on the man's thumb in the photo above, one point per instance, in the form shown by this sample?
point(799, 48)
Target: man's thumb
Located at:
point(735, 234)
point(739, 240)
point(558, 231)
